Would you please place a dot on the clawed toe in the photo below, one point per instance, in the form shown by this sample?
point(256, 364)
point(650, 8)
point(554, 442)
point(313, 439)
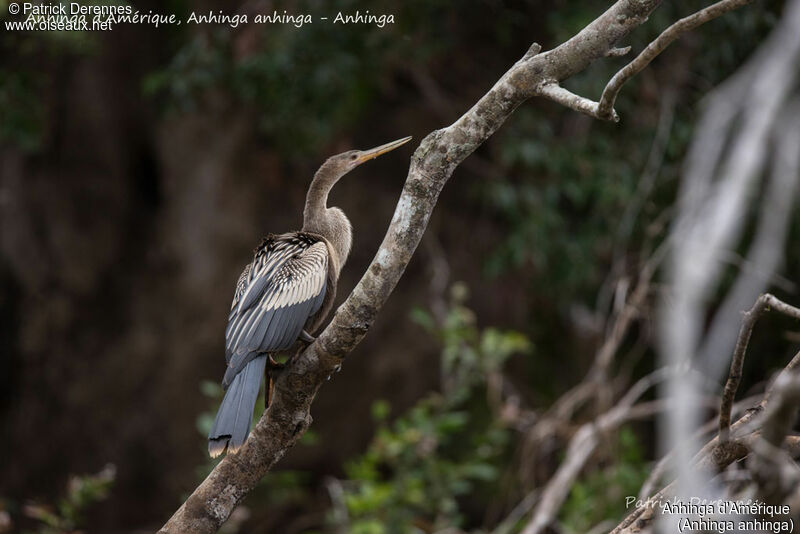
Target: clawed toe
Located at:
point(305, 336)
point(273, 365)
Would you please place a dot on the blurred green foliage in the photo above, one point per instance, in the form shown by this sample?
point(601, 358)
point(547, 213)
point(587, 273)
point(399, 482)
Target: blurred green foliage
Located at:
point(24, 85)
point(446, 446)
point(67, 515)
point(21, 109)
point(304, 84)
point(600, 495)
point(562, 222)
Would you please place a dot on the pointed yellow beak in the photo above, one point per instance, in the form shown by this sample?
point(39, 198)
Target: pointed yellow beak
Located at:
point(373, 153)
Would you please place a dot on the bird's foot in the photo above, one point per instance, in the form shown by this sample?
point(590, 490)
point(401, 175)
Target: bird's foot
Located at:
point(272, 371)
point(274, 366)
point(306, 337)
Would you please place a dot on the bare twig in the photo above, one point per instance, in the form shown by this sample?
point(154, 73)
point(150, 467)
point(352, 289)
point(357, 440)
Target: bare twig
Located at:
point(595, 385)
point(715, 459)
point(793, 364)
point(339, 514)
point(605, 108)
point(660, 468)
point(517, 513)
point(751, 420)
point(779, 415)
point(630, 311)
point(584, 443)
point(745, 434)
point(568, 99)
point(764, 303)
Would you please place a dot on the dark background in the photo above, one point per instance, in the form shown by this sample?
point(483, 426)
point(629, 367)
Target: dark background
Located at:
point(140, 167)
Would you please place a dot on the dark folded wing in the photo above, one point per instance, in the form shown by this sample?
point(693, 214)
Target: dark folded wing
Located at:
point(275, 296)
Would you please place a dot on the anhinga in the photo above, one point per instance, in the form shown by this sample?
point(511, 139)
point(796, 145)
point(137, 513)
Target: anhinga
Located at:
point(282, 295)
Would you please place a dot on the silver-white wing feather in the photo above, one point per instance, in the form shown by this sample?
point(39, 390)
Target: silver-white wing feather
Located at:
point(276, 295)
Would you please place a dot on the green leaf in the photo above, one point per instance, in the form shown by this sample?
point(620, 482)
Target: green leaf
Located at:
point(380, 410)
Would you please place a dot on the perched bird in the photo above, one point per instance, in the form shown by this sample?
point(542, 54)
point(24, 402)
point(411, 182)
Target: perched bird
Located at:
point(282, 295)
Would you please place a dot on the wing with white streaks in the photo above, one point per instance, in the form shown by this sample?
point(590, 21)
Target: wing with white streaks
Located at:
point(277, 293)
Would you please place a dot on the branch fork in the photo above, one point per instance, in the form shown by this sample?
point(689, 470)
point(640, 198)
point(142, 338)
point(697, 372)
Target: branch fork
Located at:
point(604, 108)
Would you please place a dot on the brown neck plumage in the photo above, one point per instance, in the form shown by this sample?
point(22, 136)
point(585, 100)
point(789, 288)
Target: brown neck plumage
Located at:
point(317, 197)
point(330, 223)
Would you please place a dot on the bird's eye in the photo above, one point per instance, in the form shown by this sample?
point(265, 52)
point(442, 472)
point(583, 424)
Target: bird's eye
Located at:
point(353, 157)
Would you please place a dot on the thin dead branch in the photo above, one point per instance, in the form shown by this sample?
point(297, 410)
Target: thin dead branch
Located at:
point(584, 443)
point(772, 415)
point(605, 107)
point(764, 303)
point(660, 469)
point(568, 99)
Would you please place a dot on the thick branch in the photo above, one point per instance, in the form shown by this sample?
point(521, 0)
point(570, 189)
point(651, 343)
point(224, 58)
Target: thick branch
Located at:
point(431, 166)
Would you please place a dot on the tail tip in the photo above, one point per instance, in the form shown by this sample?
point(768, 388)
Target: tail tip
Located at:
point(217, 446)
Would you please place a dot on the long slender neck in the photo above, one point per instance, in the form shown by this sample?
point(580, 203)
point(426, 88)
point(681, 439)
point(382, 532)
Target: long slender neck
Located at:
point(330, 223)
point(317, 198)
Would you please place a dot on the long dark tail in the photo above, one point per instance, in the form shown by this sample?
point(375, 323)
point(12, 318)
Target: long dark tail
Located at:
point(232, 424)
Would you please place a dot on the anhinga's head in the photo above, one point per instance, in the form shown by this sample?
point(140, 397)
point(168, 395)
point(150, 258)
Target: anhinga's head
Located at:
point(331, 223)
point(341, 164)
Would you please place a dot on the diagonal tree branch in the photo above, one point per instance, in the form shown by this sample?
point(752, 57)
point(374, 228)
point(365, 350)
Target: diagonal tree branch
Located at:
point(431, 166)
